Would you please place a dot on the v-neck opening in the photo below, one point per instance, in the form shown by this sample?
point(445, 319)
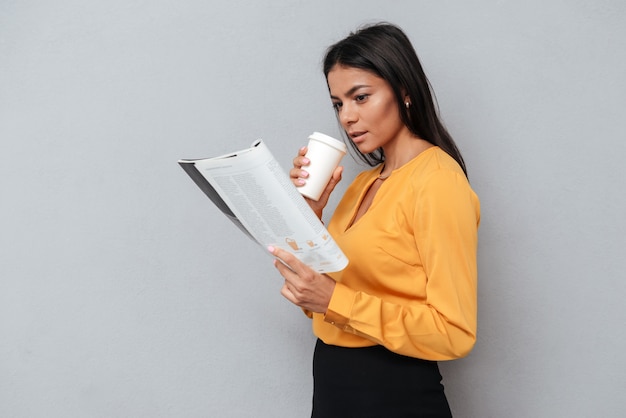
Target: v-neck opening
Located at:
point(374, 176)
point(360, 201)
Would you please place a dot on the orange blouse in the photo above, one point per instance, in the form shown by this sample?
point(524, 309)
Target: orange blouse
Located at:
point(411, 281)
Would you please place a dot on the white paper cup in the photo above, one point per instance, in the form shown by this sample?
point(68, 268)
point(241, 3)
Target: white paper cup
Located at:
point(324, 153)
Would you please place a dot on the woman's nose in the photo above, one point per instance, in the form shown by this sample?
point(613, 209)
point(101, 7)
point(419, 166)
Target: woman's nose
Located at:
point(348, 114)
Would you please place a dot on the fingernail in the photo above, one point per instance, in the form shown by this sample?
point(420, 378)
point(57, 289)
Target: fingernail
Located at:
point(270, 249)
point(301, 182)
point(305, 161)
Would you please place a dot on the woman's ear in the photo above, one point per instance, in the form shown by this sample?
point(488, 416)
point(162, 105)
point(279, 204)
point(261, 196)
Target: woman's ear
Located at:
point(407, 99)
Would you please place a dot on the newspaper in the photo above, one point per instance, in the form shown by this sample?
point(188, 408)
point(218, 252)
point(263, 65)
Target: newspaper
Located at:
point(255, 193)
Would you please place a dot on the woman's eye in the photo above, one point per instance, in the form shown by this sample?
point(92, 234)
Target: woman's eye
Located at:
point(361, 97)
point(337, 105)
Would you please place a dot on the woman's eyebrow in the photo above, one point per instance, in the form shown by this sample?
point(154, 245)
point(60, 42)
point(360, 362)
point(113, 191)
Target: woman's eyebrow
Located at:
point(351, 91)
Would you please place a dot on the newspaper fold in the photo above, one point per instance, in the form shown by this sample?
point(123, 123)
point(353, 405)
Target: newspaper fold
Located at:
point(253, 191)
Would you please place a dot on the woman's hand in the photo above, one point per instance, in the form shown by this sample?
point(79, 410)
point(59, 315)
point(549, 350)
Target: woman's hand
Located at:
point(303, 286)
point(299, 175)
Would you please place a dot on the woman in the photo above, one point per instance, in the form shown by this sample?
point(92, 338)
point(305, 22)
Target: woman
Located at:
point(409, 228)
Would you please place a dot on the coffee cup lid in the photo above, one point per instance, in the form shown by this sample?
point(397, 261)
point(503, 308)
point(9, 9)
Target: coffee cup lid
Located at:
point(329, 140)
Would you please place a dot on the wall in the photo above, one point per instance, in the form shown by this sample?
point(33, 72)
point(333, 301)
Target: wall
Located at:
point(124, 292)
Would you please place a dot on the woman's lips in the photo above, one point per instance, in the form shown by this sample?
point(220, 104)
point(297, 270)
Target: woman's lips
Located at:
point(358, 136)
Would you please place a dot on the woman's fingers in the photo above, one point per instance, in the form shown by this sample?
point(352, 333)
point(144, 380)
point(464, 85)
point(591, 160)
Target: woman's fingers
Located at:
point(289, 264)
point(297, 174)
point(336, 178)
point(303, 286)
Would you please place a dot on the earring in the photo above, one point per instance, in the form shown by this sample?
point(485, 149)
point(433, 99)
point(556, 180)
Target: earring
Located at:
point(407, 104)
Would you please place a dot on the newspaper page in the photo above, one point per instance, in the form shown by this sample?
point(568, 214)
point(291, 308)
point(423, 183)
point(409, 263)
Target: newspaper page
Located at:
point(251, 189)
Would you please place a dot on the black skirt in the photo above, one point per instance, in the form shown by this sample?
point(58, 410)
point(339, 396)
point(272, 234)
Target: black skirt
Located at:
point(374, 382)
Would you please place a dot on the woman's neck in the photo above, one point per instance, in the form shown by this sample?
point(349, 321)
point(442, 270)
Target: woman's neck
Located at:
point(401, 151)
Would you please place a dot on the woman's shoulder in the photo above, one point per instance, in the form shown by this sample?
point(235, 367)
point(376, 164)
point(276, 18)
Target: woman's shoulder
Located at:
point(431, 162)
point(439, 178)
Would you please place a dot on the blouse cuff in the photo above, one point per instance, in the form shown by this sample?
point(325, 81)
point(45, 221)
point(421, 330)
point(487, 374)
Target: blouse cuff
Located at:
point(340, 306)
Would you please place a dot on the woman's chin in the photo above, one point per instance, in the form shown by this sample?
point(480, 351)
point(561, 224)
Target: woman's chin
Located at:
point(364, 149)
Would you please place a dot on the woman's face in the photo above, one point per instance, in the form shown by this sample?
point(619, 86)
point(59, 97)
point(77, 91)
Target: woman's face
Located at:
point(366, 107)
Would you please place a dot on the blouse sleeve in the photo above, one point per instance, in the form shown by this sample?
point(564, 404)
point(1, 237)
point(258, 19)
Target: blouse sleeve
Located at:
point(445, 221)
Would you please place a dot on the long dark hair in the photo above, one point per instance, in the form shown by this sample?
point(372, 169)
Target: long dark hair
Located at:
point(384, 50)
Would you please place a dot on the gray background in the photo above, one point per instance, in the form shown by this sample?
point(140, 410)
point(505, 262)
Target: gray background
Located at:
point(125, 293)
